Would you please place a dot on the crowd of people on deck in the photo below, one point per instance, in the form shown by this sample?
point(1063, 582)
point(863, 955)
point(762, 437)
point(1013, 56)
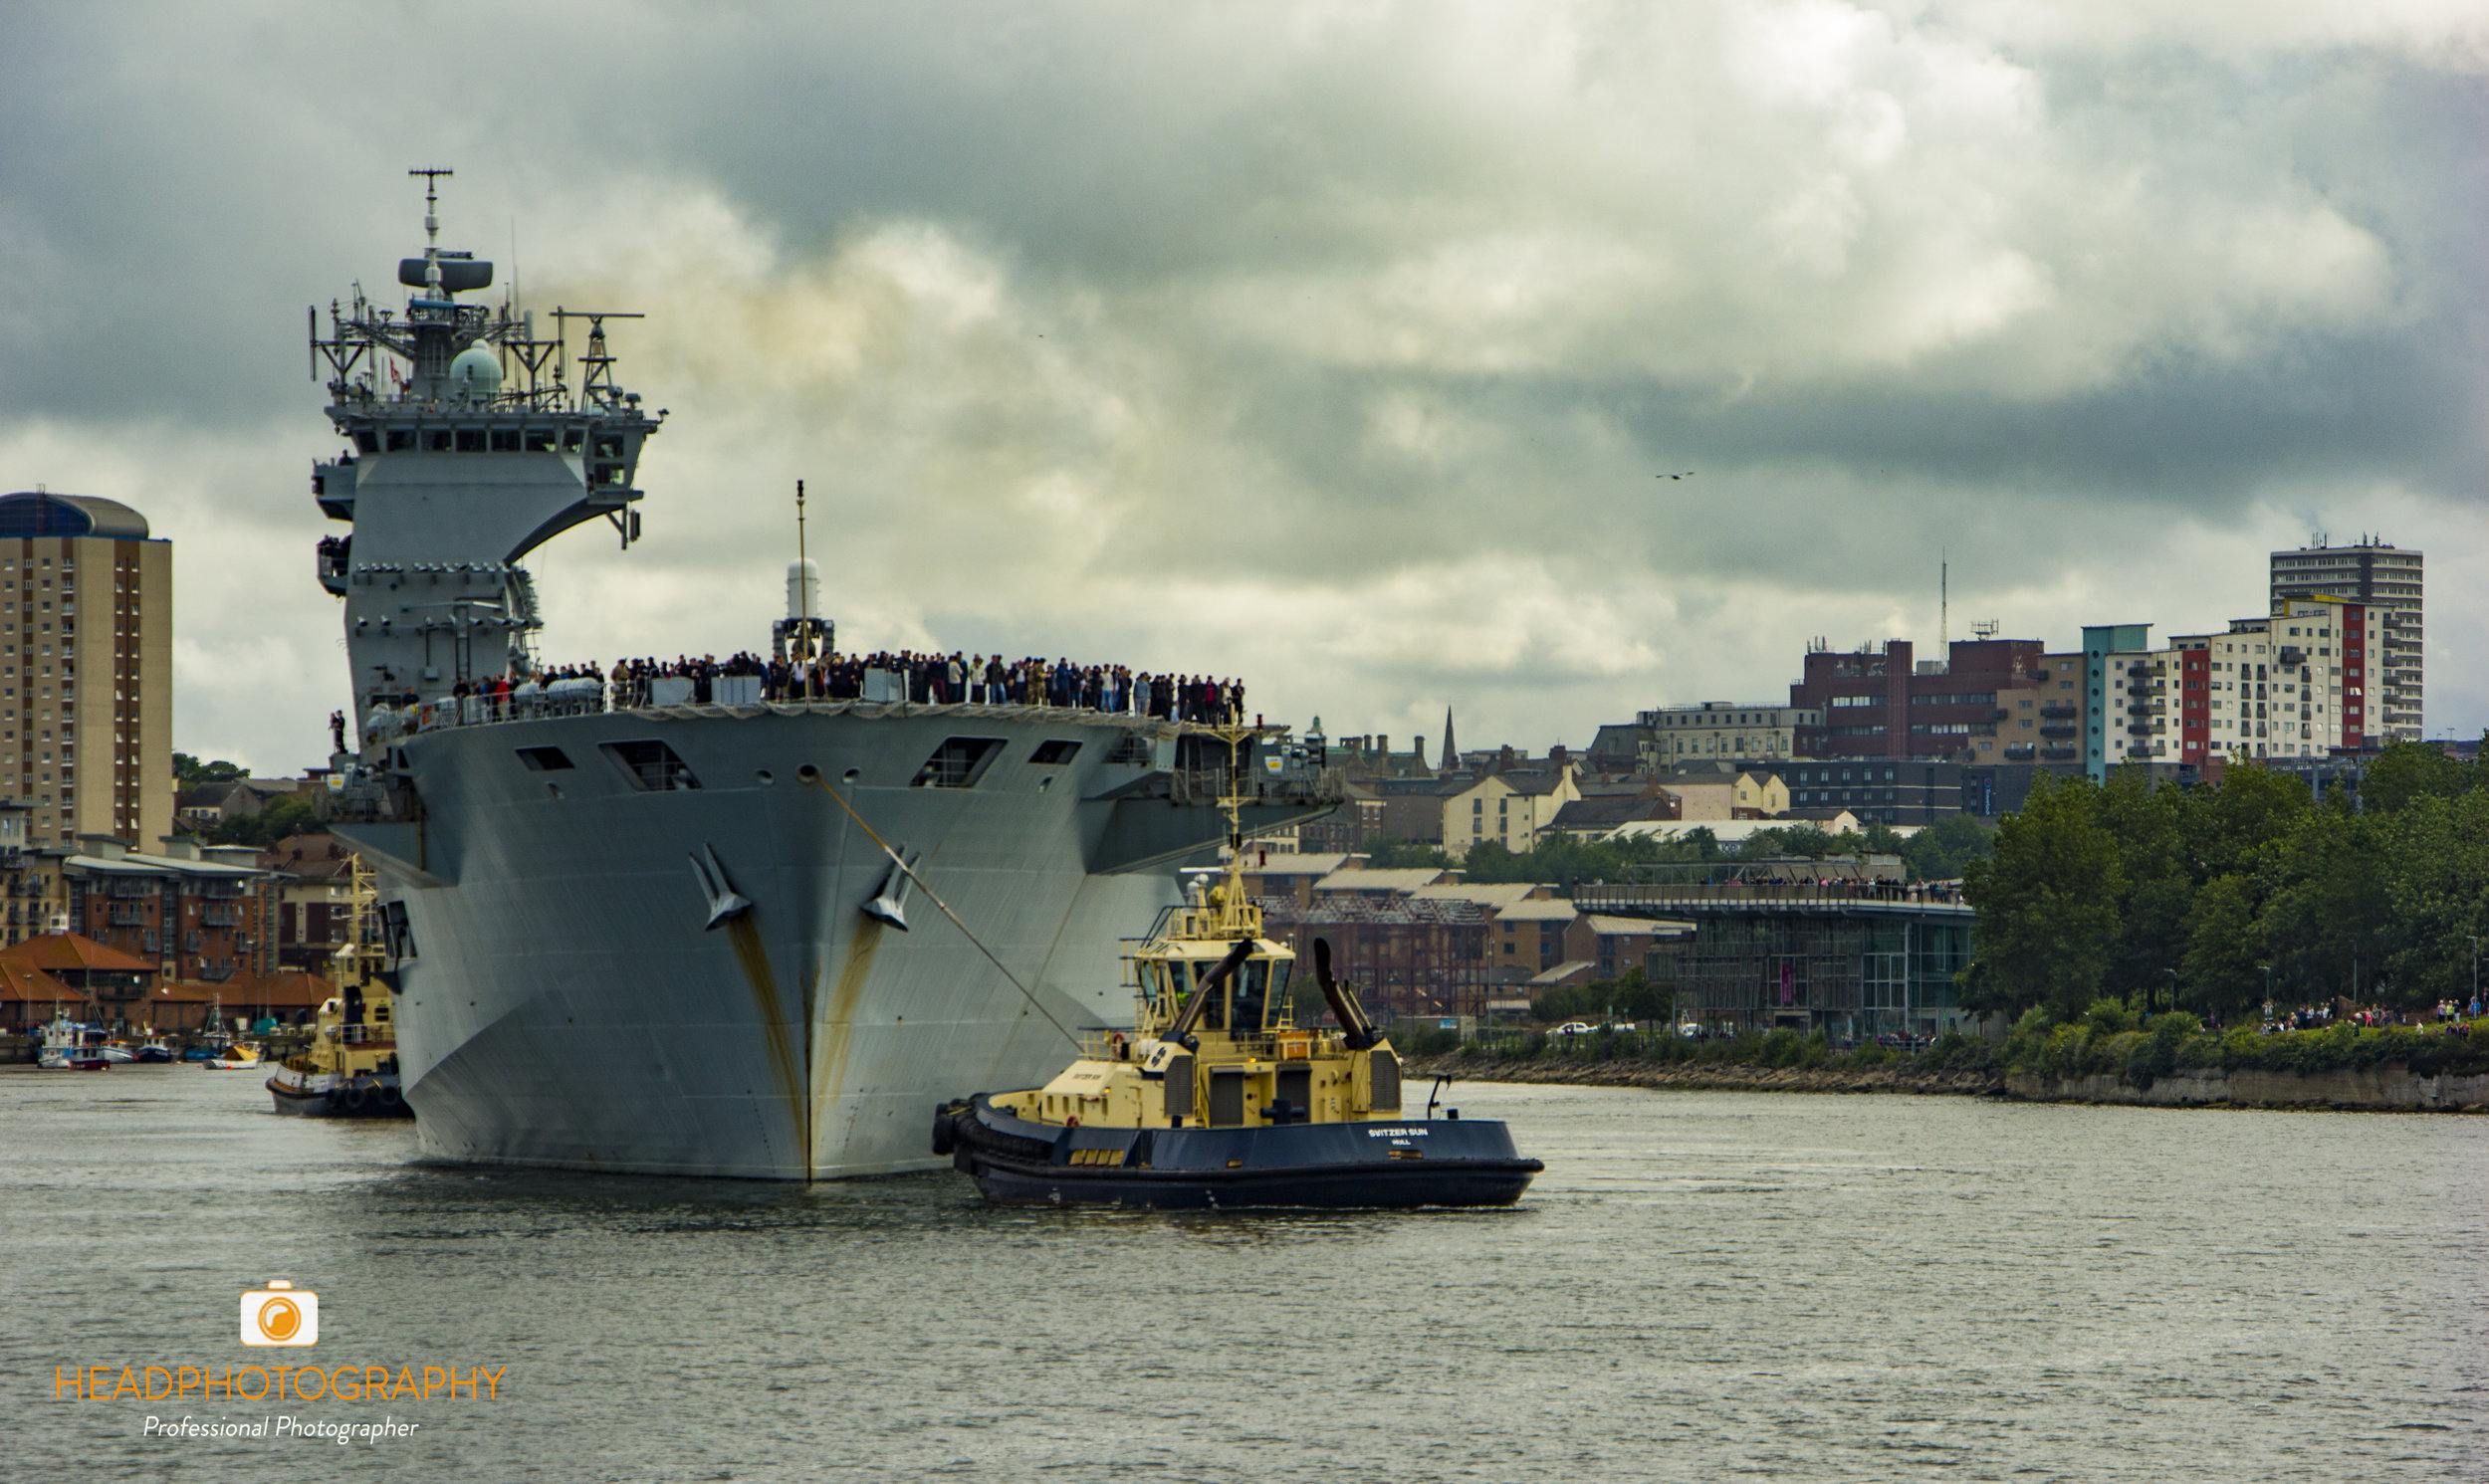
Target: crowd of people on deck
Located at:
point(900, 674)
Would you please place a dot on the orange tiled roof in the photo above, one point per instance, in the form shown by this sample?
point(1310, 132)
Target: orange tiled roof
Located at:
point(23, 982)
point(59, 952)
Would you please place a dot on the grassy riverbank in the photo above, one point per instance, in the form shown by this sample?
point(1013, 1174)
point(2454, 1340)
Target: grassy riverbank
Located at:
point(1782, 1061)
point(2110, 1041)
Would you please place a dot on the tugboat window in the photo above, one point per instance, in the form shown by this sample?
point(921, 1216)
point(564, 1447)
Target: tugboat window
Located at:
point(544, 760)
point(1054, 753)
point(651, 767)
point(957, 762)
point(1252, 987)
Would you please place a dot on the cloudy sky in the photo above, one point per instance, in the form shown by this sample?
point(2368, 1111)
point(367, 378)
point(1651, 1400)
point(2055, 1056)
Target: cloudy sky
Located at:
point(1336, 346)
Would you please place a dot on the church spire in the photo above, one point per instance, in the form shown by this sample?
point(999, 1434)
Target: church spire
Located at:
point(1452, 750)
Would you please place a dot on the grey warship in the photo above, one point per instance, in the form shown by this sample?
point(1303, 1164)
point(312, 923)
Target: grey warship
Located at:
point(639, 933)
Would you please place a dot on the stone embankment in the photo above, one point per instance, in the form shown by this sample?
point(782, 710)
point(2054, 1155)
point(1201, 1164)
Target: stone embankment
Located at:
point(1583, 1072)
point(2383, 1088)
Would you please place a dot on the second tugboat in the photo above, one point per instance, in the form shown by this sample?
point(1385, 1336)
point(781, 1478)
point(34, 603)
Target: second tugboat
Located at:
point(1218, 1098)
point(349, 1070)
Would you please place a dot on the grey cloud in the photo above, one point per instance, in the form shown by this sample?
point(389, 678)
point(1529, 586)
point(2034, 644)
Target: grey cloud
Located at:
point(1351, 335)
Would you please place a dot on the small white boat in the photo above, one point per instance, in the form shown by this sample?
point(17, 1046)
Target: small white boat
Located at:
point(68, 1045)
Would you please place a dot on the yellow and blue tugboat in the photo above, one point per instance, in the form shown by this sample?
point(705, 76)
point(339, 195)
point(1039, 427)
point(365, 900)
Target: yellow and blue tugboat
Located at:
point(1216, 1098)
point(349, 1070)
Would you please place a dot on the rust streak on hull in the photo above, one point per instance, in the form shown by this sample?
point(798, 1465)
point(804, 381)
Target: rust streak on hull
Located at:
point(784, 1065)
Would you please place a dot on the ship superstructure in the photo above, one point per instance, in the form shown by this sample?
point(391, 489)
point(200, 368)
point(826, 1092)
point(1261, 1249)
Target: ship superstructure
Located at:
point(745, 938)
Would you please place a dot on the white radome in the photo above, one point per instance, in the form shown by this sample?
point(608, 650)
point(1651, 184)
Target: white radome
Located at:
point(476, 374)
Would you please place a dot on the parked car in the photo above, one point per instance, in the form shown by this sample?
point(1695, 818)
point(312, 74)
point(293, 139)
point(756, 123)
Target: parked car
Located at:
point(1623, 1025)
point(1690, 1032)
point(1574, 1028)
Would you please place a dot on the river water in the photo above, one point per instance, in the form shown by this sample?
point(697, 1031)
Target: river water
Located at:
point(1702, 1285)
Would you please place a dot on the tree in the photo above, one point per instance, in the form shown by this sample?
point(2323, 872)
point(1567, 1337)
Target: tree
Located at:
point(2048, 906)
point(2326, 904)
point(1941, 850)
point(189, 772)
point(2437, 894)
point(281, 817)
point(1630, 996)
point(2150, 826)
point(2410, 770)
point(2221, 973)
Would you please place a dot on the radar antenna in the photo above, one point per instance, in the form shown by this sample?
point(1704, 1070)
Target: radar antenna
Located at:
point(432, 223)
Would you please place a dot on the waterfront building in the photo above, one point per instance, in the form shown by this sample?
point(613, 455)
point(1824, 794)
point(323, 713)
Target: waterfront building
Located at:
point(2382, 579)
point(1852, 959)
point(1405, 954)
point(85, 668)
point(110, 987)
point(196, 913)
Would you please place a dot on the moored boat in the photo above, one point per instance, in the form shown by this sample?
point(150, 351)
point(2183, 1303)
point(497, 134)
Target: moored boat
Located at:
point(1216, 1098)
point(76, 1047)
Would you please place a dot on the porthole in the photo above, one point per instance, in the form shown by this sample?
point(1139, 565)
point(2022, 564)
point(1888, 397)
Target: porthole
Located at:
point(764, 776)
point(809, 773)
point(850, 775)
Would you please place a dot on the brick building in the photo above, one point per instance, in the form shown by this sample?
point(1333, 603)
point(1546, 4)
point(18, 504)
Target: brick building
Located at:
point(1879, 703)
point(195, 913)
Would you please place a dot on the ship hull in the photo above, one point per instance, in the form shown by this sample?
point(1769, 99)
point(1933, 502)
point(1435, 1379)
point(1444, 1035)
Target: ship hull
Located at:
point(577, 989)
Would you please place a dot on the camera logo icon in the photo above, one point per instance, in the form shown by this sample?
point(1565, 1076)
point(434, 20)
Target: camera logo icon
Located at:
point(279, 1315)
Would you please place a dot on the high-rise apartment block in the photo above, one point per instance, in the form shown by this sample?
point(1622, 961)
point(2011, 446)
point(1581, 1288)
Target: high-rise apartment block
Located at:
point(85, 669)
point(2383, 581)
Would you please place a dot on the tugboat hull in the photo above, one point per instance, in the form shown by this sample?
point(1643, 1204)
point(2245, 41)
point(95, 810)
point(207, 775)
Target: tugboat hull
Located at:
point(368, 1098)
point(1372, 1165)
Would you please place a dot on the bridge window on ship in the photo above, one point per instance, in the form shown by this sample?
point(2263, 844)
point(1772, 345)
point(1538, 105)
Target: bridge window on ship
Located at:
point(652, 766)
point(957, 762)
point(1053, 754)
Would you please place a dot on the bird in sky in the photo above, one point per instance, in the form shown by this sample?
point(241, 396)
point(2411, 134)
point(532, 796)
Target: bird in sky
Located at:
point(1688, 473)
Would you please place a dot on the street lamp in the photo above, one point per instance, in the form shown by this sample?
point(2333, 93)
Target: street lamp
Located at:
point(2475, 969)
point(2173, 973)
point(2268, 992)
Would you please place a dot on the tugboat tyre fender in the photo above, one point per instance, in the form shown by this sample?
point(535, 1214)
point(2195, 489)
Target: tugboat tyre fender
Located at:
point(942, 1131)
point(388, 1095)
point(355, 1097)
